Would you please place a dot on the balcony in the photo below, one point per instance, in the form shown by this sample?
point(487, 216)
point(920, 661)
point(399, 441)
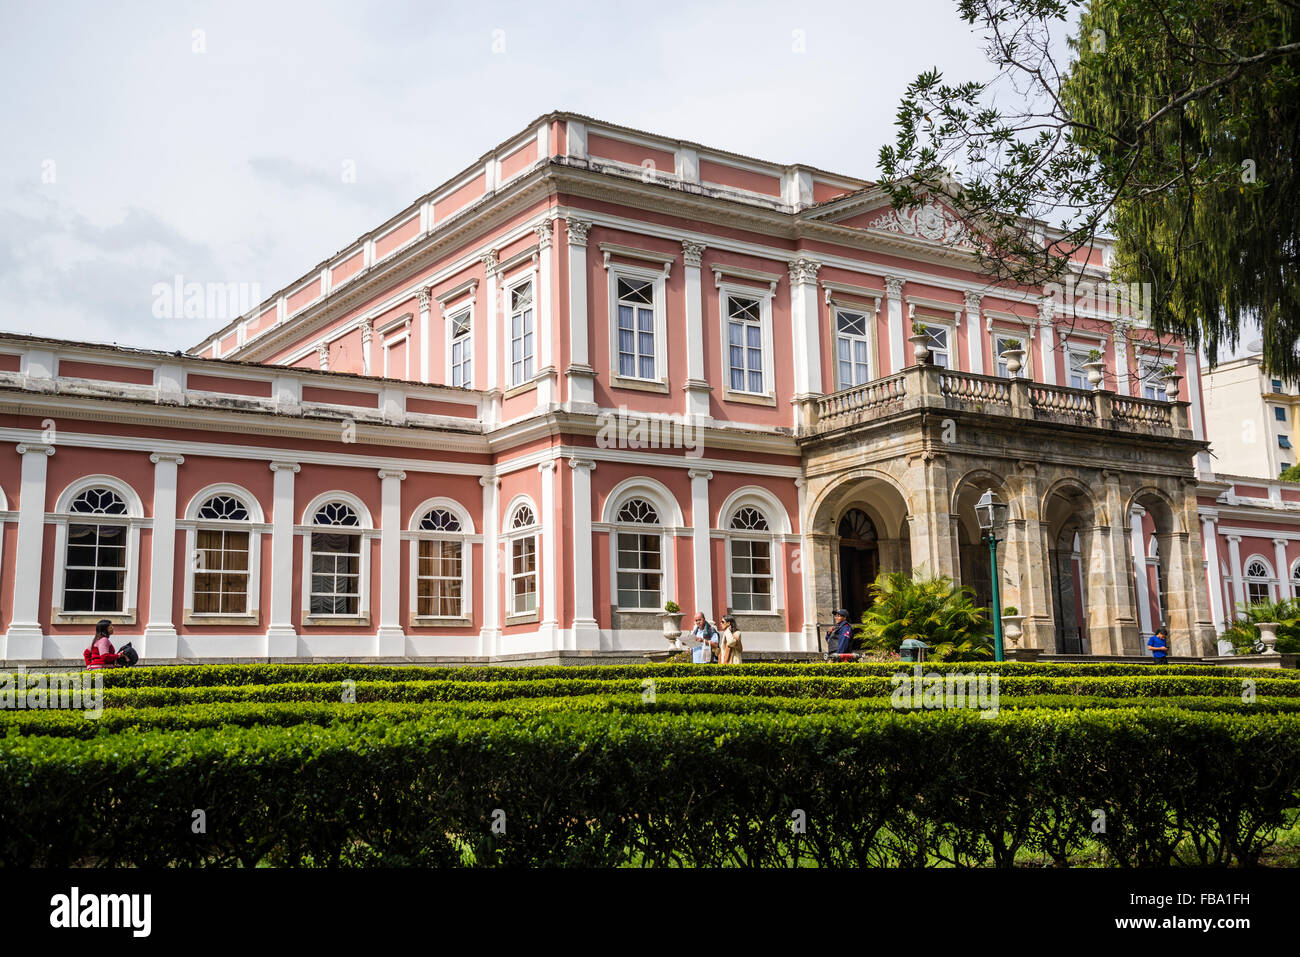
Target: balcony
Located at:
point(929, 387)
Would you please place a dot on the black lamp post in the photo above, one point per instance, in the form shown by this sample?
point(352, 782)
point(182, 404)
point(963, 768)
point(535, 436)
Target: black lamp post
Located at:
point(991, 513)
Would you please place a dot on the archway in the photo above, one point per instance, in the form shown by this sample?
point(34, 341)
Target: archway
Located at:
point(859, 555)
point(973, 564)
point(1069, 515)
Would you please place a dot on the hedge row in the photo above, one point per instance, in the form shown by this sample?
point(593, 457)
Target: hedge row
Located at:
point(259, 674)
point(1158, 686)
point(189, 717)
point(872, 789)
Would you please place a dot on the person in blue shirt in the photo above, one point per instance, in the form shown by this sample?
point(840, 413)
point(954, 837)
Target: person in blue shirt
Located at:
point(841, 634)
point(1159, 645)
point(704, 653)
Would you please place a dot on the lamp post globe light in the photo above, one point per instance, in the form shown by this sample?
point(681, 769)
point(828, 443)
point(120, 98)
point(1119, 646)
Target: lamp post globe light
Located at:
point(991, 513)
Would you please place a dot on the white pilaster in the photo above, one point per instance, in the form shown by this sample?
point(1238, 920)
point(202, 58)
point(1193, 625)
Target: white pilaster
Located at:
point(1192, 363)
point(490, 634)
point(1234, 568)
point(974, 334)
point(586, 632)
point(701, 526)
point(1046, 345)
point(1210, 538)
point(160, 639)
point(1136, 544)
point(580, 374)
point(806, 327)
point(1283, 570)
point(548, 631)
point(424, 335)
point(547, 383)
point(24, 640)
point(697, 385)
point(492, 320)
point(281, 639)
point(1120, 337)
point(390, 640)
point(805, 559)
point(894, 312)
point(367, 333)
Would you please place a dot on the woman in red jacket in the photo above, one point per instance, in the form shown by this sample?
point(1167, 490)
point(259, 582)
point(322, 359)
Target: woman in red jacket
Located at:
point(101, 653)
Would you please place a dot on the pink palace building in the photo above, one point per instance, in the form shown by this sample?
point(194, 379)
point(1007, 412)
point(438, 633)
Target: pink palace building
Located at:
point(600, 370)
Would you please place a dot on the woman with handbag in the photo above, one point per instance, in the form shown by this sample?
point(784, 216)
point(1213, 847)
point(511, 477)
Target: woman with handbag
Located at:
point(101, 653)
point(729, 639)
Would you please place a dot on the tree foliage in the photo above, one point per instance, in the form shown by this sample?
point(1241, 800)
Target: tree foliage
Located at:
point(932, 610)
point(1171, 124)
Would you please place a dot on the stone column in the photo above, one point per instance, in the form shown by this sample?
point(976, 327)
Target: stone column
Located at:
point(806, 328)
point(1112, 622)
point(1234, 568)
point(1046, 343)
point(390, 640)
point(25, 639)
point(1191, 624)
point(974, 335)
point(1214, 577)
point(490, 634)
point(548, 631)
point(697, 385)
point(1140, 569)
point(807, 572)
point(586, 631)
point(160, 640)
point(821, 563)
point(581, 375)
point(424, 335)
point(281, 639)
point(928, 497)
point(547, 385)
point(1027, 552)
point(700, 551)
point(894, 311)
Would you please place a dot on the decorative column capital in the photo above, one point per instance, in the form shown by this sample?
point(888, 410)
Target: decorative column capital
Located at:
point(490, 262)
point(693, 252)
point(1209, 514)
point(168, 457)
point(34, 448)
point(894, 287)
point(1120, 332)
point(1046, 310)
point(973, 301)
point(543, 231)
point(368, 329)
point(1280, 542)
point(1233, 539)
point(286, 467)
point(577, 230)
point(701, 474)
point(423, 296)
point(494, 481)
point(392, 474)
point(585, 464)
point(803, 269)
point(547, 466)
point(323, 353)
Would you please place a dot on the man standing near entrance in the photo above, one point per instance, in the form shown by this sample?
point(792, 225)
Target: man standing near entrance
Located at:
point(1159, 645)
point(842, 633)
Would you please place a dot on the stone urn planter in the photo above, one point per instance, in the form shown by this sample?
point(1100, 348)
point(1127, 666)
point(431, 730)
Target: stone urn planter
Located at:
point(1014, 358)
point(1012, 630)
point(1171, 383)
point(920, 348)
point(1096, 372)
point(1268, 635)
point(672, 622)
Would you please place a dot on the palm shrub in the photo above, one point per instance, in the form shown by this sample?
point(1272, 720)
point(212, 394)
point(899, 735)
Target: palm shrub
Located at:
point(933, 610)
point(1244, 632)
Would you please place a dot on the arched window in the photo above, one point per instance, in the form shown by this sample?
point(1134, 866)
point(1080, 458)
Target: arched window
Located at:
point(640, 556)
point(335, 561)
point(522, 536)
point(751, 560)
point(96, 561)
point(1259, 580)
point(1295, 579)
point(440, 566)
point(221, 557)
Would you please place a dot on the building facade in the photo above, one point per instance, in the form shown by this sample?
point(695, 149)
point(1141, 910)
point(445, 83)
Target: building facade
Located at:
point(597, 371)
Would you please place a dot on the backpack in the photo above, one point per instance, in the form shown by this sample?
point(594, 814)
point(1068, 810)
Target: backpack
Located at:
point(129, 655)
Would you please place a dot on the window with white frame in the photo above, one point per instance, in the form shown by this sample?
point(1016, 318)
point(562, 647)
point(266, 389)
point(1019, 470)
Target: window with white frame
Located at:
point(635, 303)
point(938, 344)
point(335, 561)
point(640, 556)
point(751, 561)
point(1076, 376)
point(745, 344)
point(852, 348)
point(1259, 581)
point(523, 561)
point(221, 557)
point(1295, 578)
point(521, 333)
point(461, 349)
point(1150, 374)
point(440, 566)
point(1002, 342)
point(95, 563)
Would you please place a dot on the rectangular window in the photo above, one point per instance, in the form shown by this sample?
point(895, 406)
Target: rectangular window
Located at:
point(1277, 385)
point(523, 576)
point(636, 329)
point(852, 348)
point(462, 350)
point(221, 574)
point(1284, 442)
point(521, 333)
point(1000, 345)
point(745, 344)
point(938, 344)
point(1076, 374)
point(639, 571)
point(751, 575)
point(439, 580)
point(335, 573)
point(1152, 379)
point(95, 572)
point(1279, 413)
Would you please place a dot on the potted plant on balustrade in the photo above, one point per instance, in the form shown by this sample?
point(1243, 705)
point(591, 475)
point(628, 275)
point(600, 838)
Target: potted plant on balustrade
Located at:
point(1095, 367)
point(920, 341)
point(1013, 354)
point(1171, 379)
point(672, 622)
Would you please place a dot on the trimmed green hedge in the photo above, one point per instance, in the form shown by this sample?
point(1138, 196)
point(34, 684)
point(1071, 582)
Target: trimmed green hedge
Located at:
point(877, 789)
